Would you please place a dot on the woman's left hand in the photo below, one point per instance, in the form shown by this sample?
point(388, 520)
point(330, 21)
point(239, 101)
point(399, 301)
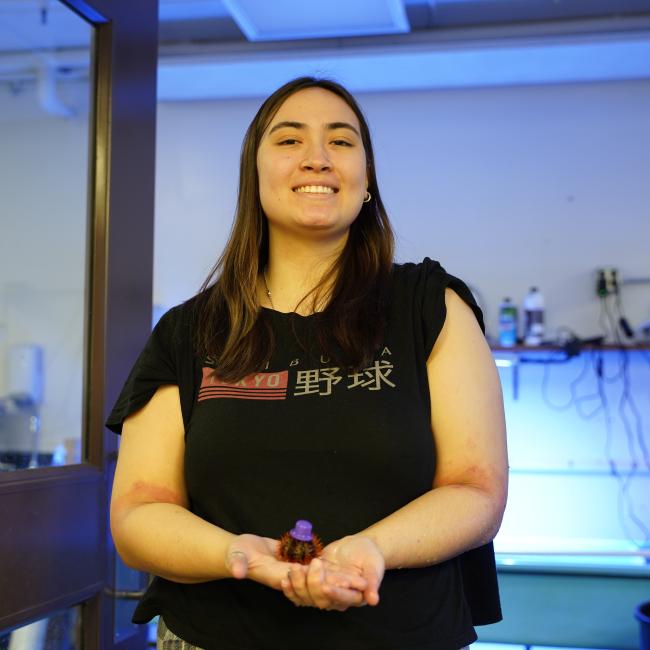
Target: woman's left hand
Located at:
point(348, 574)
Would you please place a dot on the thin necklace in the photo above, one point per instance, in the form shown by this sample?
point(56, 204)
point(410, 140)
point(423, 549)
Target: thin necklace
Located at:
point(268, 291)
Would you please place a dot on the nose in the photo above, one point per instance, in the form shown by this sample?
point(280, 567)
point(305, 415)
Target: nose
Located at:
point(316, 159)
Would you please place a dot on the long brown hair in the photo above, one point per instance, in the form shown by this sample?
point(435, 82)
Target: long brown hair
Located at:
point(233, 330)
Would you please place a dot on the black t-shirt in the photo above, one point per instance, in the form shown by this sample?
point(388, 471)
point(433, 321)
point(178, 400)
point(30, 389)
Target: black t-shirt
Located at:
point(306, 439)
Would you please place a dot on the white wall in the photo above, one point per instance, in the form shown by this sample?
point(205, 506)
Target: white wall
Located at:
point(507, 187)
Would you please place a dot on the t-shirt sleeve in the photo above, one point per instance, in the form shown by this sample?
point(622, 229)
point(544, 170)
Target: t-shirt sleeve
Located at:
point(433, 282)
point(156, 366)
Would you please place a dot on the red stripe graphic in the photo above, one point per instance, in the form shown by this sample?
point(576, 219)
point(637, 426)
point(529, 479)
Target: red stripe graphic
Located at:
point(262, 391)
point(252, 393)
point(241, 395)
point(259, 386)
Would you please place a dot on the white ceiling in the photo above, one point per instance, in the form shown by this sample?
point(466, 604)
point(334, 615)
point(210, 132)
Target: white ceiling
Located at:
point(234, 48)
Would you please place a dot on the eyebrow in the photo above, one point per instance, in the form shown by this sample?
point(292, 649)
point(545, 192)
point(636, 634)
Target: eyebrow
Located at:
point(301, 125)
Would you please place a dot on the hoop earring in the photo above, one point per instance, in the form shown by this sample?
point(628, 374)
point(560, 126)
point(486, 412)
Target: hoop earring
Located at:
point(368, 197)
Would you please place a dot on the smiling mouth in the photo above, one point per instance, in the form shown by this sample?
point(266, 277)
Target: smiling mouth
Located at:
point(315, 189)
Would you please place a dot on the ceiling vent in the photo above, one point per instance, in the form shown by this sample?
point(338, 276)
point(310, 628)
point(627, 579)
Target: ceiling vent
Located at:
point(281, 20)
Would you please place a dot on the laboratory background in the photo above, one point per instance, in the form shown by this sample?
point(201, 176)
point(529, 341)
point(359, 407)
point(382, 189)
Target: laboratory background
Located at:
point(512, 142)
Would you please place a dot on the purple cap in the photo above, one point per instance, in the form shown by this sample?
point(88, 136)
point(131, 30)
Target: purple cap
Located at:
point(302, 531)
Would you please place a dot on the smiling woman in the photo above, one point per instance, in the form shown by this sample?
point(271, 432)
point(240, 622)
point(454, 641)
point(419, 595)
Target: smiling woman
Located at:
point(312, 377)
point(339, 246)
point(312, 175)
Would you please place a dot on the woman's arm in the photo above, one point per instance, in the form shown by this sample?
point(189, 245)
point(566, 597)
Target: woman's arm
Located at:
point(155, 532)
point(152, 528)
point(465, 507)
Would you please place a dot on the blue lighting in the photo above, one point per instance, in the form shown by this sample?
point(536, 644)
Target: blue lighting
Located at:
point(579, 471)
point(392, 68)
point(504, 363)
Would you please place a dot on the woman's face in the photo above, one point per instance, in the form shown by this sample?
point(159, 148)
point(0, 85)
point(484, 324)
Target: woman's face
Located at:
point(312, 166)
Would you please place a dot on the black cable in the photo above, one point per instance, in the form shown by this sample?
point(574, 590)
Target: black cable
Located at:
point(624, 400)
point(574, 399)
point(628, 412)
point(617, 338)
point(628, 398)
point(596, 361)
point(622, 320)
point(612, 321)
point(622, 480)
point(602, 318)
point(612, 327)
point(545, 382)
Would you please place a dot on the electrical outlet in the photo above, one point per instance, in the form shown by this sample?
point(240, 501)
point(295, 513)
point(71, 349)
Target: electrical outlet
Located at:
point(606, 281)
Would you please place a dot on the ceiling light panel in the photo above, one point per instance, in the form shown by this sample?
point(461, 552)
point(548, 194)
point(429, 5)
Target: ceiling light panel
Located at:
point(275, 20)
point(191, 9)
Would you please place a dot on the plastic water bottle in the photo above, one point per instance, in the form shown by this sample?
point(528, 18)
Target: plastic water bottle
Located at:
point(533, 317)
point(507, 323)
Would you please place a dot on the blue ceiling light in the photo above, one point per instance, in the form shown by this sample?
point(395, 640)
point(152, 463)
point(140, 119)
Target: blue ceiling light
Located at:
point(292, 19)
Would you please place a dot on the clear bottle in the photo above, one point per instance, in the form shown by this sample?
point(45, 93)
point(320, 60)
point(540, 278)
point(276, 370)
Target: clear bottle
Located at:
point(533, 317)
point(507, 323)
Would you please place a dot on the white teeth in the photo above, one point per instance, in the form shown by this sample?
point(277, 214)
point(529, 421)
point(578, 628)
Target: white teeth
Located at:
point(315, 189)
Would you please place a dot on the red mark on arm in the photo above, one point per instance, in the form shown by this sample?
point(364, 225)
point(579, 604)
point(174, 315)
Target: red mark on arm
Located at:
point(141, 493)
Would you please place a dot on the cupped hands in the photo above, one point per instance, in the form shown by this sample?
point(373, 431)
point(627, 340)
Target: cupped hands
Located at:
point(348, 574)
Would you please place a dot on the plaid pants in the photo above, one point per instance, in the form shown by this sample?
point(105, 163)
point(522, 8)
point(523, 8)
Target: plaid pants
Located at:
point(167, 640)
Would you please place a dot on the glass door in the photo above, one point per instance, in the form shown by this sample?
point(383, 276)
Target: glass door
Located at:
point(77, 134)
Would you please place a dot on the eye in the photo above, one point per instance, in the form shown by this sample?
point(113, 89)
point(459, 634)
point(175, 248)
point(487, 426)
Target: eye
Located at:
point(342, 143)
point(288, 141)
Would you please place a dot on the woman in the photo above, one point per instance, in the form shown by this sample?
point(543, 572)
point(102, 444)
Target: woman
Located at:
point(313, 378)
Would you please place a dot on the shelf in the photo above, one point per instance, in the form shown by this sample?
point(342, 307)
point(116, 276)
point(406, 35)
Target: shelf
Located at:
point(518, 349)
point(590, 556)
point(513, 357)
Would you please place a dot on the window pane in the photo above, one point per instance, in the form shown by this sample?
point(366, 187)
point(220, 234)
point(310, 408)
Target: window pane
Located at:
point(44, 109)
point(59, 631)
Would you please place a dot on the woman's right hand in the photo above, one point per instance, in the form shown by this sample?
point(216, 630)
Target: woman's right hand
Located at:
point(254, 557)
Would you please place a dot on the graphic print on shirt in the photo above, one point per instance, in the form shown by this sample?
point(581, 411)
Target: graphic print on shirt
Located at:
point(314, 381)
point(261, 385)
point(321, 380)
